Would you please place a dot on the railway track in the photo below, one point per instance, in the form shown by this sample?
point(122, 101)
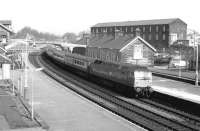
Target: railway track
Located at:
point(142, 112)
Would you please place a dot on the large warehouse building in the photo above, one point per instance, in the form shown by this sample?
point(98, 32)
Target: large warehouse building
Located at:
point(160, 33)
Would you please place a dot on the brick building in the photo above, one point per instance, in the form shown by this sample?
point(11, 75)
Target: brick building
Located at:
point(160, 33)
point(5, 31)
point(124, 49)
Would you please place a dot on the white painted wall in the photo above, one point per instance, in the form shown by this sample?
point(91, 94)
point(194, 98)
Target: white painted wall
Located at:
point(6, 71)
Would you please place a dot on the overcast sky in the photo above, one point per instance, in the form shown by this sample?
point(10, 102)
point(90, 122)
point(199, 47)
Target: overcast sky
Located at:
point(60, 16)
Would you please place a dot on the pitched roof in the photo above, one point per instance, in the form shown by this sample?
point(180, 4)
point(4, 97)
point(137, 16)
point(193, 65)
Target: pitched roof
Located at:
point(6, 22)
point(99, 41)
point(81, 42)
point(6, 28)
point(120, 43)
point(2, 50)
point(4, 59)
point(145, 42)
point(140, 22)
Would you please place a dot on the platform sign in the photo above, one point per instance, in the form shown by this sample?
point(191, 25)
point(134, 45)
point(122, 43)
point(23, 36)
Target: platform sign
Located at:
point(138, 51)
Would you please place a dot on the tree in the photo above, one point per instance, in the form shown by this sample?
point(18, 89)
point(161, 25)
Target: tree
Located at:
point(69, 37)
point(82, 33)
point(187, 52)
point(36, 34)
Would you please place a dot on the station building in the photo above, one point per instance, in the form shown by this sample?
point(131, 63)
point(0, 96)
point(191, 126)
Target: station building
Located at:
point(123, 49)
point(5, 63)
point(160, 33)
point(5, 31)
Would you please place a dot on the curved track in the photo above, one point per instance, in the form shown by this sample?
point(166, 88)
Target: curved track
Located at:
point(146, 113)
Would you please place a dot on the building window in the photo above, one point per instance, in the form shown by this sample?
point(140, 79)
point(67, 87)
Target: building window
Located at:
point(117, 58)
point(99, 30)
point(143, 36)
point(126, 29)
point(131, 29)
point(110, 29)
point(143, 29)
point(149, 28)
point(104, 30)
point(157, 28)
point(149, 36)
point(164, 37)
point(180, 36)
point(156, 36)
point(121, 29)
point(164, 28)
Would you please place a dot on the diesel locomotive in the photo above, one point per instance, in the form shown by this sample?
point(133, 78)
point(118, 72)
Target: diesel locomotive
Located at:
point(135, 79)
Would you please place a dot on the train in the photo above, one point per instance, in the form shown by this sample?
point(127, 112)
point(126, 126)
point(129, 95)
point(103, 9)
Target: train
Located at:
point(135, 80)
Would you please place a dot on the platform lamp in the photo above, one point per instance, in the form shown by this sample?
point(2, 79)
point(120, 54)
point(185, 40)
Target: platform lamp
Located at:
point(32, 92)
point(197, 62)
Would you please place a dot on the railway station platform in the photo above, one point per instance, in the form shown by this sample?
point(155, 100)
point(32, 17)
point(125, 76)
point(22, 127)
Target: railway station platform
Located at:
point(176, 72)
point(62, 109)
point(13, 115)
point(177, 89)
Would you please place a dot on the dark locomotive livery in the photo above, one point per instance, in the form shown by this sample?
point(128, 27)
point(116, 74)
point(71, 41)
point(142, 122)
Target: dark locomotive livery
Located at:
point(134, 79)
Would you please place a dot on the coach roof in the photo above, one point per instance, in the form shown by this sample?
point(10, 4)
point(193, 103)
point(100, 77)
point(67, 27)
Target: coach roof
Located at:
point(141, 22)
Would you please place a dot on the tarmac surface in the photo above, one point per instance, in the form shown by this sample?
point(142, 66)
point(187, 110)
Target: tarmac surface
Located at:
point(62, 109)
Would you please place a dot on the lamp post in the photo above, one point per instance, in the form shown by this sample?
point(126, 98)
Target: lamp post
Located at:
point(25, 69)
point(13, 87)
point(197, 64)
point(32, 92)
point(179, 63)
